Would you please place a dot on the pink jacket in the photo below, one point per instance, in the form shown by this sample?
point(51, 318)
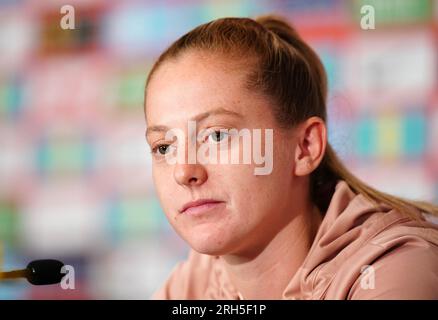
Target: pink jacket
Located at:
point(402, 255)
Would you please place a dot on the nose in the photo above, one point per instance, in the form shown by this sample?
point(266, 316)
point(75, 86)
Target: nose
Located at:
point(190, 174)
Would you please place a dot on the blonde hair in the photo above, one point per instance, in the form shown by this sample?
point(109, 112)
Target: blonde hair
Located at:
point(288, 71)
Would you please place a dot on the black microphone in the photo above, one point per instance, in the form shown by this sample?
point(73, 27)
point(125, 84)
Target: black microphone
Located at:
point(38, 272)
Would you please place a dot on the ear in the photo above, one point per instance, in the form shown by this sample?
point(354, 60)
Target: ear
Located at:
point(310, 147)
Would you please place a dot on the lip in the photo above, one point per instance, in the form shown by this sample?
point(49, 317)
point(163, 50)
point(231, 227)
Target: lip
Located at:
point(199, 206)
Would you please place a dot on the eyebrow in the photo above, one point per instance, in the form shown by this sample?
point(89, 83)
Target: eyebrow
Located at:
point(198, 118)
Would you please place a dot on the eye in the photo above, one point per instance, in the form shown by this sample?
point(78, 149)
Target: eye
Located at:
point(217, 136)
point(161, 149)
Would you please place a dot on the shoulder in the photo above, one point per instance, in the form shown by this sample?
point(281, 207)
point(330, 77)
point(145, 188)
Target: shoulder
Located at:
point(189, 278)
point(406, 269)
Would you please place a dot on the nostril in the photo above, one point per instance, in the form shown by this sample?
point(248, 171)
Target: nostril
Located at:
point(193, 179)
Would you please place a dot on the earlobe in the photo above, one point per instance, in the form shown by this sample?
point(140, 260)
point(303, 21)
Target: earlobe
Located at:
point(303, 166)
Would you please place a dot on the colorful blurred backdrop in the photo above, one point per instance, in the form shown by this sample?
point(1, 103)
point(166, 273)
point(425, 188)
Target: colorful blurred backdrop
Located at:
point(75, 173)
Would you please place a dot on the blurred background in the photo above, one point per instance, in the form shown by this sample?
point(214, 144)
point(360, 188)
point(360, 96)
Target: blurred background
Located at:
point(75, 173)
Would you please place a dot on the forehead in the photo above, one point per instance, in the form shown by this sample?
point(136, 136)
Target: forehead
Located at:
point(194, 83)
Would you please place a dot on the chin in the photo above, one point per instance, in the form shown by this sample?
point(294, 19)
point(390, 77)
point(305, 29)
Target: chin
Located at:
point(213, 247)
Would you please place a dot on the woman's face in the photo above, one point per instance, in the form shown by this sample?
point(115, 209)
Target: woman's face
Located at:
point(250, 208)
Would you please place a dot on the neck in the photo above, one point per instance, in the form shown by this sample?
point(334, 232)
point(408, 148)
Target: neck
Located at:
point(265, 274)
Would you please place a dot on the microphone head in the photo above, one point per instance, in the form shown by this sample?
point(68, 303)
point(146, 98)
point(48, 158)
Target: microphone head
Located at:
point(41, 272)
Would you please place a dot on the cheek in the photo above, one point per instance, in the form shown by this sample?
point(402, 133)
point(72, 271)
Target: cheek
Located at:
point(250, 200)
point(247, 192)
point(255, 198)
point(163, 183)
point(162, 175)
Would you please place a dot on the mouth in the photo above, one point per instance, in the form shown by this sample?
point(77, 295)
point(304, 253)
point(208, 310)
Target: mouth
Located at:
point(200, 206)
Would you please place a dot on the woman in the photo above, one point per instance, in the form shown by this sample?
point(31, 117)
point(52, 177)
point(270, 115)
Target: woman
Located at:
point(308, 229)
